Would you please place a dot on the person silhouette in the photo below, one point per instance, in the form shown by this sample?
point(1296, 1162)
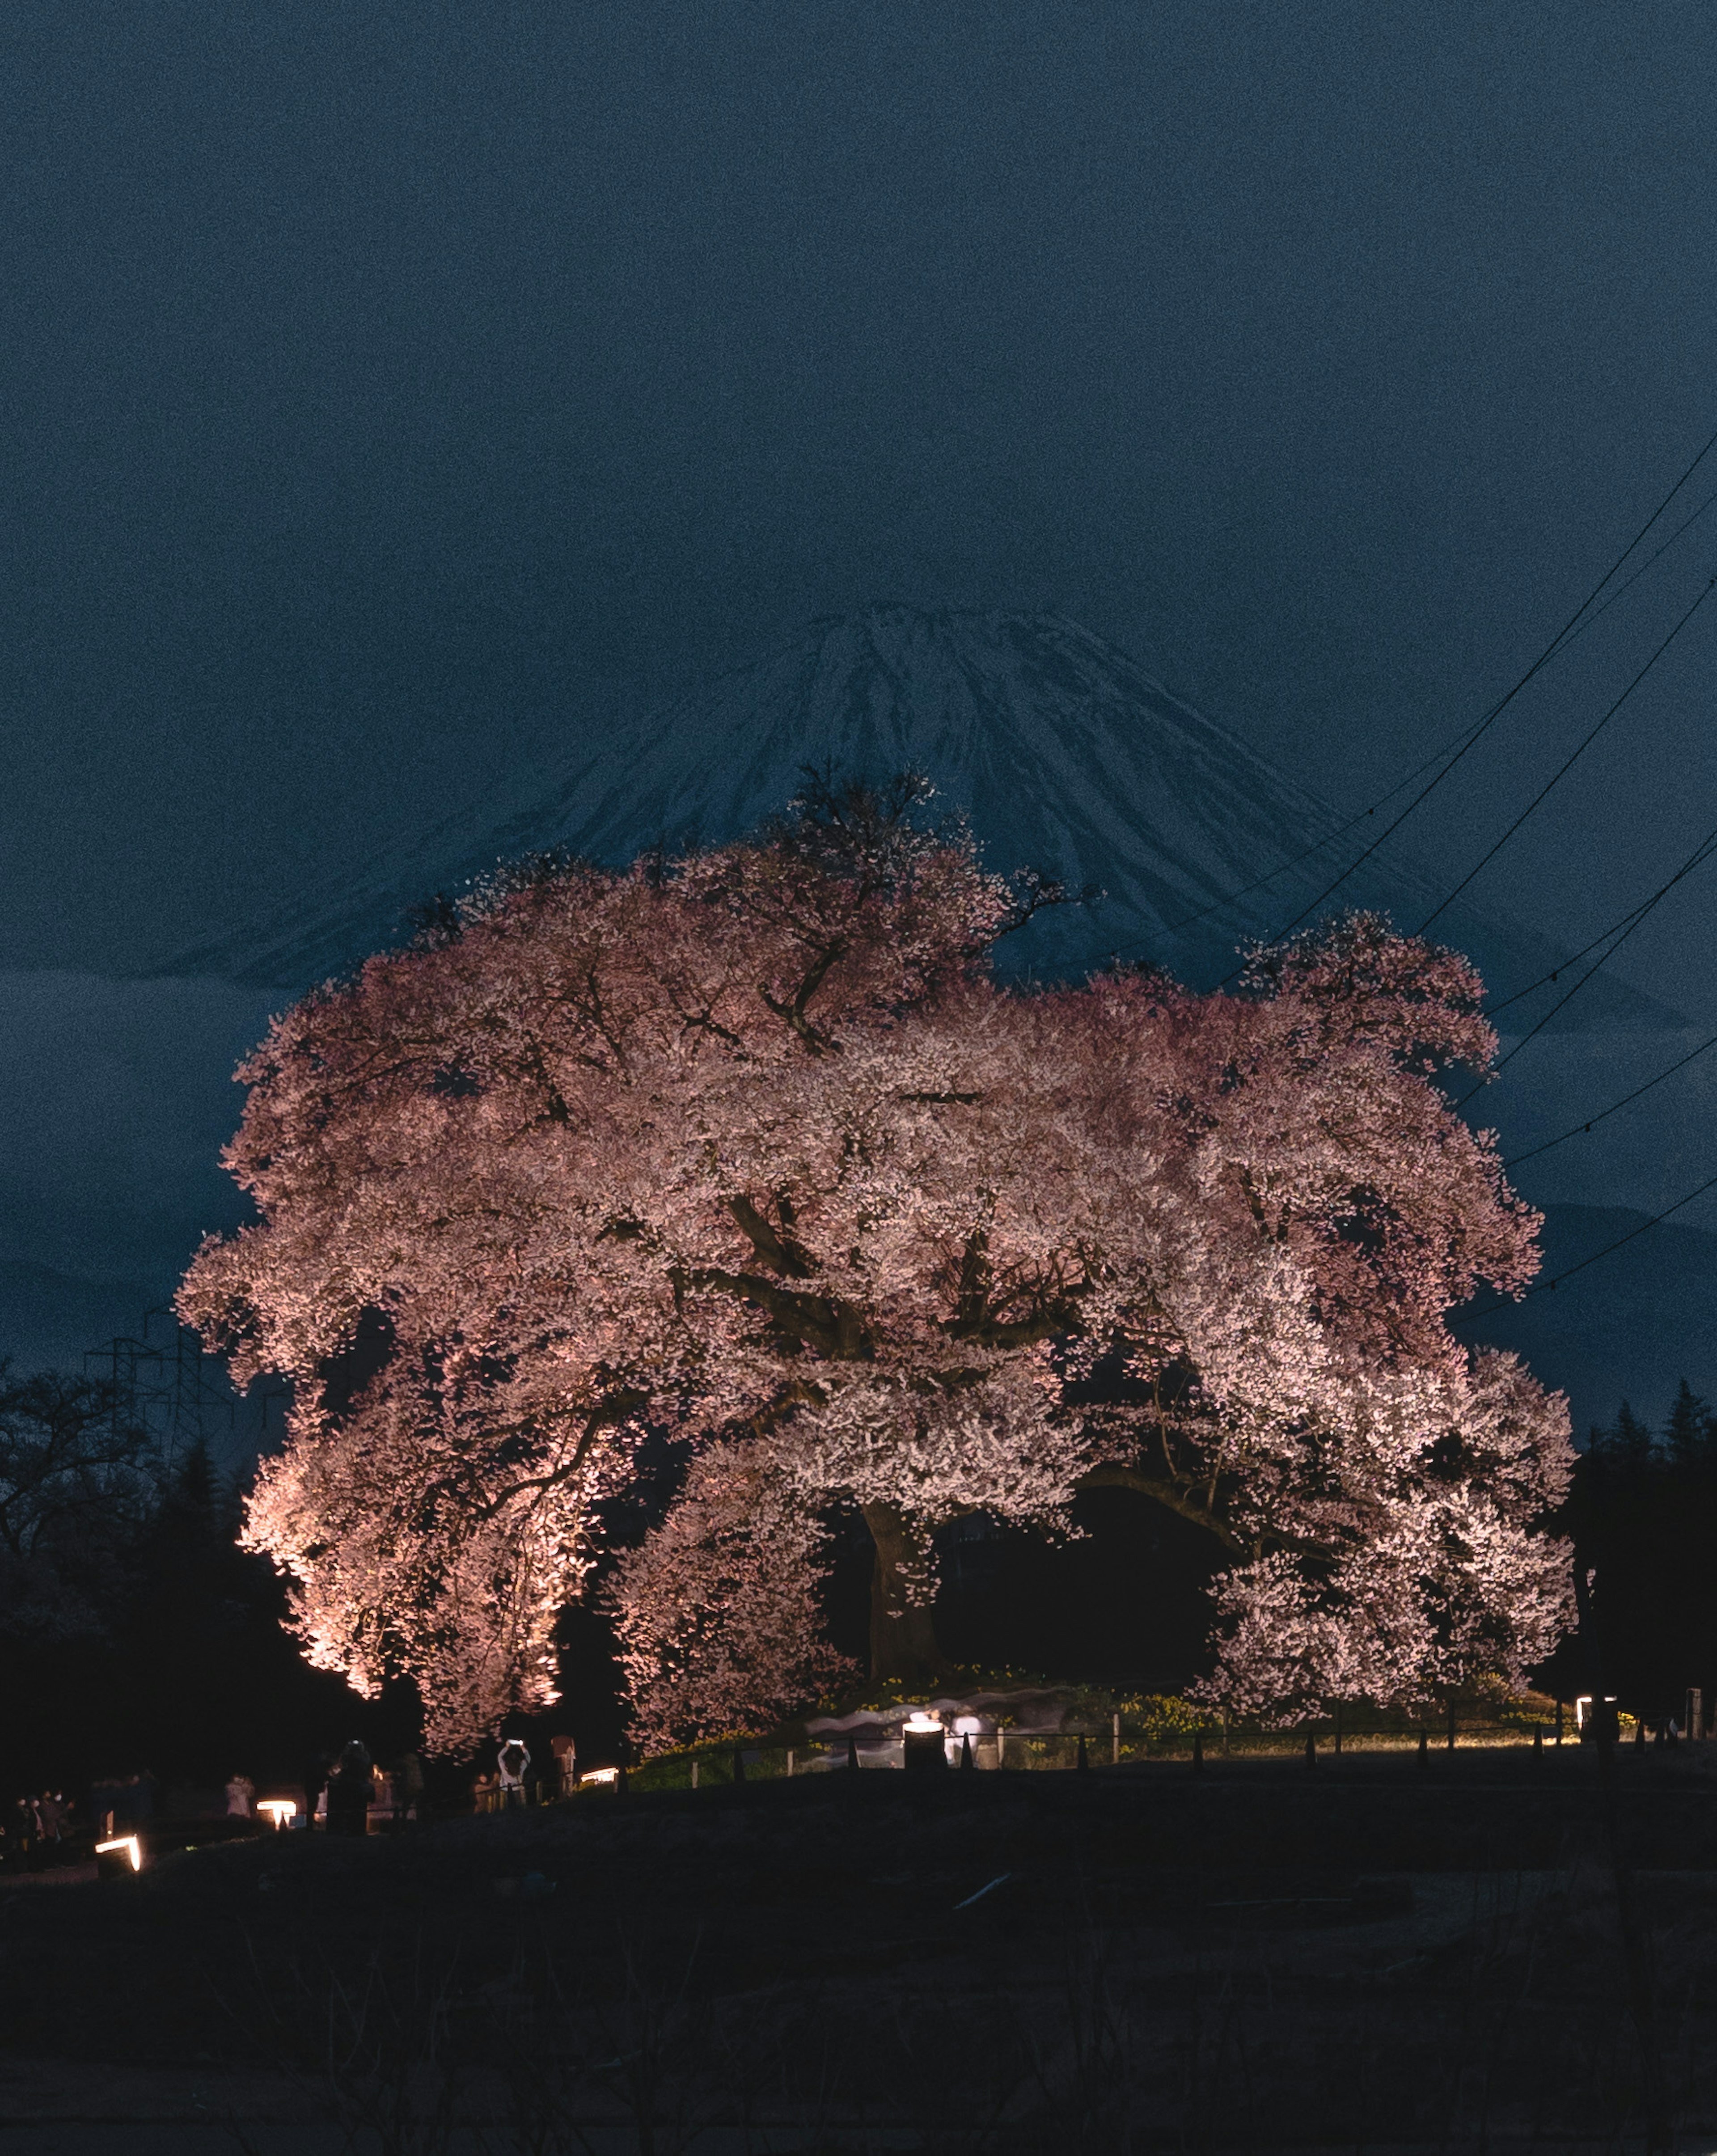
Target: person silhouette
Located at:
point(512, 1760)
point(351, 1787)
point(566, 1761)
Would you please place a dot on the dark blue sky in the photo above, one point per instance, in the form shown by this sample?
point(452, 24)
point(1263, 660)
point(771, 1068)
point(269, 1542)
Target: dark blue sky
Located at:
point(392, 397)
point(385, 388)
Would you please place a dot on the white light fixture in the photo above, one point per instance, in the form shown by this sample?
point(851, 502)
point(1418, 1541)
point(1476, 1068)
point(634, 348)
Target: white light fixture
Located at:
point(601, 1774)
point(280, 1810)
point(918, 1723)
point(129, 1843)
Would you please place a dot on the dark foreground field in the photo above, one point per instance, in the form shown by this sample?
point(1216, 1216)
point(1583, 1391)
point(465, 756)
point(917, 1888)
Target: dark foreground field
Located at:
point(1368, 1955)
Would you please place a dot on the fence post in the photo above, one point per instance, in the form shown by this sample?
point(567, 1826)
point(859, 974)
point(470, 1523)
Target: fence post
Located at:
point(1559, 1722)
point(1198, 1751)
point(1115, 1743)
point(1083, 1762)
point(694, 1774)
point(1311, 1750)
point(1695, 1715)
point(1424, 1747)
point(1337, 1729)
point(789, 1763)
point(1001, 1746)
point(1452, 1722)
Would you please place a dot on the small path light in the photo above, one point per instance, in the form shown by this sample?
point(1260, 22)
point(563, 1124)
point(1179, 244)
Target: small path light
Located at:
point(924, 1747)
point(124, 1849)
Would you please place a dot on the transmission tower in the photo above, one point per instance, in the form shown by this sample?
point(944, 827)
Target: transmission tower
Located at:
point(163, 1383)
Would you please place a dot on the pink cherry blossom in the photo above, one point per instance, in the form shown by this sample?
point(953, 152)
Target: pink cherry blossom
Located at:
point(749, 1147)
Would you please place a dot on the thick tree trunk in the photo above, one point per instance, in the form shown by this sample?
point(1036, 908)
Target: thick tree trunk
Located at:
point(902, 1633)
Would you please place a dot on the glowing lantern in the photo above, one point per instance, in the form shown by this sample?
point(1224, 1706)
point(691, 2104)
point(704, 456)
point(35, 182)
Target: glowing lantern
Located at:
point(129, 1843)
point(925, 1743)
point(280, 1810)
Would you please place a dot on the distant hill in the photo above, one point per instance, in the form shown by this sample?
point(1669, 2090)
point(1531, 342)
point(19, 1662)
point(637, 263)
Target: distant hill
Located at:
point(1627, 1327)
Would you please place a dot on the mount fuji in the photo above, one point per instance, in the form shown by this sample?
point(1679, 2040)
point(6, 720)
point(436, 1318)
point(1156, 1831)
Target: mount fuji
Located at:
point(1065, 755)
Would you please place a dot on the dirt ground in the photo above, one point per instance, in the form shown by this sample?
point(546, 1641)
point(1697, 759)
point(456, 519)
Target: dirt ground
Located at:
point(1370, 1953)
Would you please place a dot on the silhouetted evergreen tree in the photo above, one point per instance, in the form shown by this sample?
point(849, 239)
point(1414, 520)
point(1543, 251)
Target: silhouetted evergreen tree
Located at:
point(1628, 1442)
point(1689, 1433)
point(1643, 1514)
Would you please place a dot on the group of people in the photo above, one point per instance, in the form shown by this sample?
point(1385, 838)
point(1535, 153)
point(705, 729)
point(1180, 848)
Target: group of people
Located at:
point(34, 1832)
point(508, 1788)
point(351, 1792)
point(348, 1793)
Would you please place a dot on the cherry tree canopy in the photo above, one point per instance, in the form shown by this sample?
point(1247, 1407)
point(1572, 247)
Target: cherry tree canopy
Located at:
point(747, 1147)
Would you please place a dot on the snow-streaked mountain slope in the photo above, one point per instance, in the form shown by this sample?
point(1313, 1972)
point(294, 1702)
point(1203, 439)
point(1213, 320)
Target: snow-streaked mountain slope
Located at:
point(1065, 756)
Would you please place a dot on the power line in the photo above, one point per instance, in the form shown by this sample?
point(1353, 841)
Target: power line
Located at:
point(1581, 1130)
point(1557, 777)
point(1695, 859)
point(1341, 830)
point(1455, 740)
point(1700, 852)
point(1650, 563)
point(1562, 636)
point(1542, 1287)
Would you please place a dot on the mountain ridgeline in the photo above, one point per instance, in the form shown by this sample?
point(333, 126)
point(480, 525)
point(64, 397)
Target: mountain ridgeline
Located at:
point(1064, 754)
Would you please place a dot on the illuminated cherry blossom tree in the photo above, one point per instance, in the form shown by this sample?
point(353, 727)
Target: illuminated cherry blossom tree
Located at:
point(747, 1149)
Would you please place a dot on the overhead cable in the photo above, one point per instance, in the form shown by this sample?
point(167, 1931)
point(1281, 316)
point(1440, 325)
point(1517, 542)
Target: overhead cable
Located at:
point(1455, 740)
point(1558, 776)
point(1701, 854)
point(1569, 628)
point(1650, 563)
point(1329, 838)
point(1695, 859)
point(1542, 1287)
point(1581, 1130)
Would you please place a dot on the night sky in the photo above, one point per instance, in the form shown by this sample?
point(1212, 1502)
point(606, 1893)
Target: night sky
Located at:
point(393, 393)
